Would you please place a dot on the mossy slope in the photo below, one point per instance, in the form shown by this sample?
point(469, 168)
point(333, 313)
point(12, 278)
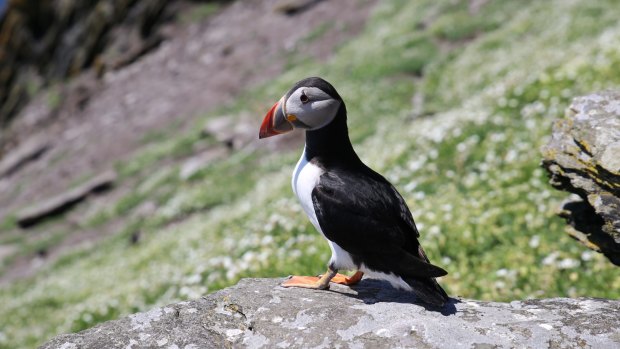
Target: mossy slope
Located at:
point(487, 84)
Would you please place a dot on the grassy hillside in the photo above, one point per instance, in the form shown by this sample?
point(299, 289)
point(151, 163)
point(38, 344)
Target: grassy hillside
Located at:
point(465, 156)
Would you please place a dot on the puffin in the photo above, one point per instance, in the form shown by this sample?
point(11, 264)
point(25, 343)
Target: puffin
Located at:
point(364, 219)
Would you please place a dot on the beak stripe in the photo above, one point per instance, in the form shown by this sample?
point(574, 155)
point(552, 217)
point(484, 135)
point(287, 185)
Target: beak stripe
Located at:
point(275, 122)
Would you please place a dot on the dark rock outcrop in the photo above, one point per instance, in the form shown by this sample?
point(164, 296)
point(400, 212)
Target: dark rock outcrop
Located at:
point(258, 313)
point(583, 157)
point(25, 153)
point(41, 41)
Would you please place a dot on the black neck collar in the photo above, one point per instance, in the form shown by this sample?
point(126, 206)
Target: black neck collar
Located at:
point(331, 144)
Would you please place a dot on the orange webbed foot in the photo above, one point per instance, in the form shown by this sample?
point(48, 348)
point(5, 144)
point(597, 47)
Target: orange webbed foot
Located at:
point(313, 282)
point(348, 280)
point(322, 282)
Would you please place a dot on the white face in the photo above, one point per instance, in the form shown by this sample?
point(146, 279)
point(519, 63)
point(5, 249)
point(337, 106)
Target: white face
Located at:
point(312, 107)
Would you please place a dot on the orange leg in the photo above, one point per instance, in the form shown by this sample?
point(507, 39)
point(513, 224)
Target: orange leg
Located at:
point(314, 282)
point(348, 280)
point(323, 281)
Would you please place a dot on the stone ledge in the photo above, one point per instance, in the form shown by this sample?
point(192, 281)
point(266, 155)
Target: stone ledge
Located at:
point(258, 313)
point(583, 157)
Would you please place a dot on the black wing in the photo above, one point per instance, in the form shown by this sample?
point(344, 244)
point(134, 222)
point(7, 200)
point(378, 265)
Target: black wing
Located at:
point(365, 215)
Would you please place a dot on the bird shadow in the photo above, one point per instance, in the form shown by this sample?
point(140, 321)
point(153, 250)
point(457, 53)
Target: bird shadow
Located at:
point(372, 291)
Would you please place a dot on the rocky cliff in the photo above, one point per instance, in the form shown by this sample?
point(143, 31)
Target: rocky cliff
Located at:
point(583, 157)
point(43, 41)
point(258, 313)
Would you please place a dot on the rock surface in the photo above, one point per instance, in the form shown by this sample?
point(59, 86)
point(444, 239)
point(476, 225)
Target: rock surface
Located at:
point(258, 313)
point(28, 151)
point(583, 157)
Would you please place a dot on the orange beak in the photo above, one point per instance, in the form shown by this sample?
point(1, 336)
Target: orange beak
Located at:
point(275, 122)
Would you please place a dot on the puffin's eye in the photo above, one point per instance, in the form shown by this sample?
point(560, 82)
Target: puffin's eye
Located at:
point(303, 98)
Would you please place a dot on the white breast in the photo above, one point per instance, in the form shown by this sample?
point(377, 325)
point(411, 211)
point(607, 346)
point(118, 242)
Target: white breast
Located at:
point(305, 177)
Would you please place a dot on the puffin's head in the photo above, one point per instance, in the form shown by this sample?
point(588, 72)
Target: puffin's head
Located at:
point(311, 104)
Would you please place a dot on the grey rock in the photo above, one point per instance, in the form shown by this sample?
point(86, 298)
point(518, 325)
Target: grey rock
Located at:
point(7, 250)
point(258, 313)
point(60, 203)
point(583, 157)
point(220, 129)
point(23, 154)
point(241, 134)
point(234, 133)
point(201, 161)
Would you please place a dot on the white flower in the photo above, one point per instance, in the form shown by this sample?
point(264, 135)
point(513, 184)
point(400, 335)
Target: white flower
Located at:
point(534, 241)
point(568, 263)
point(266, 240)
point(193, 279)
point(587, 255)
point(550, 259)
point(409, 187)
point(434, 231)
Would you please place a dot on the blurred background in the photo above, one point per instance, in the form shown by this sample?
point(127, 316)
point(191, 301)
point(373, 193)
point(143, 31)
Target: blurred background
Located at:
point(131, 175)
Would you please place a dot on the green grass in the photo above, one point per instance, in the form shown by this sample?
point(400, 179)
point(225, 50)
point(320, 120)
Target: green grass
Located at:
point(492, 83)
point(160, 135)
point(42, 244)
point(54, 97)
point(8, 223)
point(318, 32)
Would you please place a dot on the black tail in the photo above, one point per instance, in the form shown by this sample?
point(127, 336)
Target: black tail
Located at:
point(428, 290)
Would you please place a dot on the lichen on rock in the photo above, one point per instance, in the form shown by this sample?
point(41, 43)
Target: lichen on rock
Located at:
point(258, 313)
point(583, 157)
